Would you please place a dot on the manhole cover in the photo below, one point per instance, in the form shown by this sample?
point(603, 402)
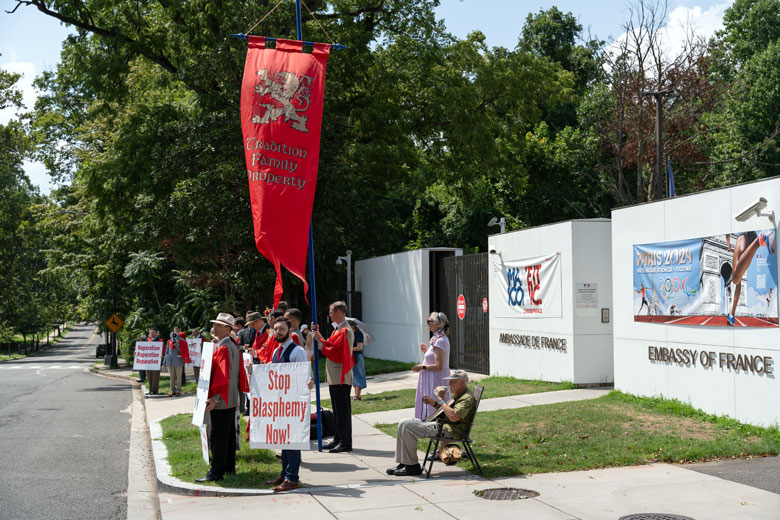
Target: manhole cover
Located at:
point(506, 494)
point(655, 516)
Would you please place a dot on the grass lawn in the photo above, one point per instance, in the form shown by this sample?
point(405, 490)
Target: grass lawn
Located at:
point(182, 439)
point(614, 430)
point(494, 387)
point(165, 383)
point(373, 367)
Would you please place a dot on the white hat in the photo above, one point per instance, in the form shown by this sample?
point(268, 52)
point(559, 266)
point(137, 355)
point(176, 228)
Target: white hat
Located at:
point(225, 319)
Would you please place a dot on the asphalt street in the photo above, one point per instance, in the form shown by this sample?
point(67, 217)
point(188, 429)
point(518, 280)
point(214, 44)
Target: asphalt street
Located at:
point(762, 473)
point(64, 435)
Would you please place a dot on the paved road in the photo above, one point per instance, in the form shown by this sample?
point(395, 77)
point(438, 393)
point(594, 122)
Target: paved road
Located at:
point(64, 435)
point(762, 473)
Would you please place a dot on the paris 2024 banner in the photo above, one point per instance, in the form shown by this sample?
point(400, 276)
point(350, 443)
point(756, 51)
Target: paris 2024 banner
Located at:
point(722, 280)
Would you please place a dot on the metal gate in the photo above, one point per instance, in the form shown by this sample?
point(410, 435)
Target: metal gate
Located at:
point(465, 275)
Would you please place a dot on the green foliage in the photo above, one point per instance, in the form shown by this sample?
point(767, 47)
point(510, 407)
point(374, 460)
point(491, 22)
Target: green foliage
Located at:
point(425, 137)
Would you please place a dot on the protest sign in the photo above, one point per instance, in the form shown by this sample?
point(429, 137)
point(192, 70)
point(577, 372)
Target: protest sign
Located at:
point(148, 355)
point(194, 345)
point(202, 393)
point(280, 406)
point(204, 443)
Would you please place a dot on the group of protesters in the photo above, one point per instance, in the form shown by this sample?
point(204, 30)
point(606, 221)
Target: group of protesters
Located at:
point(175, 355)
point(276, 336)
point(279, 336)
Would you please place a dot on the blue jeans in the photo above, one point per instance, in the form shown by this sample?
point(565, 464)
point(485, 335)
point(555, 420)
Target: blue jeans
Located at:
point(291, 462)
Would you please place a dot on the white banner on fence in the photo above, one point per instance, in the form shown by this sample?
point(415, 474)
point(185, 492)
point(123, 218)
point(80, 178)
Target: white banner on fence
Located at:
point(202, 393)
point(147, 355)
point(280, 406)
point(531, 288)
point(194, 345)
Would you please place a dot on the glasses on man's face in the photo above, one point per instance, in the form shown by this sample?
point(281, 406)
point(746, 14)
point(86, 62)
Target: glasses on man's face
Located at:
point(432, 321)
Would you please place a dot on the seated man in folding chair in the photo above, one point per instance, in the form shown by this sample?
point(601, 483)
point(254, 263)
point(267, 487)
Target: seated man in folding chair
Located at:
point(460, 409)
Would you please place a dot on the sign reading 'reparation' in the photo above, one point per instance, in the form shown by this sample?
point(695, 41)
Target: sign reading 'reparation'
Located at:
point(148, 355)
point(280, 406)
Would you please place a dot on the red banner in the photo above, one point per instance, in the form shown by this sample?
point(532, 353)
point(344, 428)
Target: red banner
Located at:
point(281, 116)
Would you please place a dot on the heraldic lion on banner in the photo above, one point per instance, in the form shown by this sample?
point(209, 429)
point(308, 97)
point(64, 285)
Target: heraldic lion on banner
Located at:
point(282, 87)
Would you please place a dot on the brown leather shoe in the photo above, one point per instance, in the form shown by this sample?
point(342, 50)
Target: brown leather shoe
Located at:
point(274, 482)
point(287, 485)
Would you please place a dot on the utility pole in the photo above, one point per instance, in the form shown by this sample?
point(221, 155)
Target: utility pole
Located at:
point(659, 124)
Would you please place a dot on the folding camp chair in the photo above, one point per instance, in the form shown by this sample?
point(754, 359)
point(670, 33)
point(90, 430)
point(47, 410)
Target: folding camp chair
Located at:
point(465, 442)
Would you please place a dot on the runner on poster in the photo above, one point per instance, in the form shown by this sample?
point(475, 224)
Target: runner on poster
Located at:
point(280, 406)
point(721, 280)
point(148, 355)
point(202, 393)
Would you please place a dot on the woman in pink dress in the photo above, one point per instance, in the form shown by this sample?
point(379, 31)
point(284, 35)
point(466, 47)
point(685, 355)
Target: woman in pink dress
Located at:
point(435, 365)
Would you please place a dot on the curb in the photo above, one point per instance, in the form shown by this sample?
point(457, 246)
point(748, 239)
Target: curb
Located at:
point(102, 372)
point(168, 483)
point(143, 502)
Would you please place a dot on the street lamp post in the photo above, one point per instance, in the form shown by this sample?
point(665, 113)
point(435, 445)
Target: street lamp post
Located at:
point(659, 126)
point(496, 222)
point(348, 260)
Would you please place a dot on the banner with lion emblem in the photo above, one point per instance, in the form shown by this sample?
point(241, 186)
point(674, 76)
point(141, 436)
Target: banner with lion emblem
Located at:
point(281, 115)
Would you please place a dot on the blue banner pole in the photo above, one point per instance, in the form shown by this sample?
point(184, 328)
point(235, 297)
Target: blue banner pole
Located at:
point(311, 277)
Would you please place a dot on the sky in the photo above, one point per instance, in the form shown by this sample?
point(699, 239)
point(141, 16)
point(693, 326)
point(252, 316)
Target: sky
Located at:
point(30, 42)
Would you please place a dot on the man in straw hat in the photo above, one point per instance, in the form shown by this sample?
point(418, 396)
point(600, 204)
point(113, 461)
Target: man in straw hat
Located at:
point(458, 409)
point(228, 379)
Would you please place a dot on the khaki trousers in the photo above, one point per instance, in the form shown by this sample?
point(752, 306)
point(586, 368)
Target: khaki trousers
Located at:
point(409, 430)
point(153, 376)
point(175, 373)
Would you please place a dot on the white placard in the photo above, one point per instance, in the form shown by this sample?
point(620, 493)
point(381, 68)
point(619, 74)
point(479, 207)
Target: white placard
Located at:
point(204, 442)
point(586, 300)
point(531, 287)
point(202, 393)
point(147, 355)
point(194, 345)
point(280, 411)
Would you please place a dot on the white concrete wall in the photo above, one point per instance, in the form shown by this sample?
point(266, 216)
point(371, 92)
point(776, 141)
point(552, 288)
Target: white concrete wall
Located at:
point(585, 258)
point(396, 301)
point(592, 263)
point(747, 396)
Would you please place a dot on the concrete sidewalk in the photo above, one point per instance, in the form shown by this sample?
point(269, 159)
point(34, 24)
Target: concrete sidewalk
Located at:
point(355, 485)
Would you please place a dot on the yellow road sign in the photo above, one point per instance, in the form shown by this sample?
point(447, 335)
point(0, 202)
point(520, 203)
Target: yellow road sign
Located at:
point(114, 323)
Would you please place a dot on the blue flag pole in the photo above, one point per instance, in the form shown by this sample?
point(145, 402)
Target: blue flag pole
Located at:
point(311, 277)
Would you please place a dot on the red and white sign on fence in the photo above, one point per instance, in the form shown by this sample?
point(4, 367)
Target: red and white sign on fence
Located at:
point(461, 307)
point(280, 406)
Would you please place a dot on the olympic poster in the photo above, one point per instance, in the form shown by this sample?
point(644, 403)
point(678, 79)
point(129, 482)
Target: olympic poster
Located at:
point(531, 287)
point(280, 406)
point(722, 280)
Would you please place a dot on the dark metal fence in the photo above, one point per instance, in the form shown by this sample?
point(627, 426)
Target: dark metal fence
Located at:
point(469, 337)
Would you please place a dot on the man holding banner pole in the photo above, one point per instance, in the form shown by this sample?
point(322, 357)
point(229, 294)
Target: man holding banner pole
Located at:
point(288, 352)
point(228, 379)
point(338, 369)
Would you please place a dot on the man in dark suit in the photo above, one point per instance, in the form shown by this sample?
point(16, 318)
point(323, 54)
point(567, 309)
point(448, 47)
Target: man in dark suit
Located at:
point(339, 390)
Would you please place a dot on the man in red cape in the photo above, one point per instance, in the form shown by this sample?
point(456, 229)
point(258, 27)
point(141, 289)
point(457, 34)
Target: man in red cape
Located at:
point(338, 369)
point(227, 380)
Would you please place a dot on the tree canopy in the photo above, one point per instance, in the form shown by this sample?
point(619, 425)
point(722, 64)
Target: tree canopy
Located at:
point(425, 137)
